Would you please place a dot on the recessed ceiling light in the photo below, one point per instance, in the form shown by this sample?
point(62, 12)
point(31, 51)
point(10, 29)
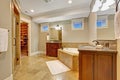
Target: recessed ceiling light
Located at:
point(26, 11)
point(32, 10)
point(70, 1)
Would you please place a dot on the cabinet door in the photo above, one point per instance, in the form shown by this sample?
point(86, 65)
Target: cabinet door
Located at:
point(86, 66)
point(51, 49)
point(103, 67)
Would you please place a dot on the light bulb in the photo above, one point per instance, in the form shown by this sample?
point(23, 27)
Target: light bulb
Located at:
point(70, 1)
point(32, 10)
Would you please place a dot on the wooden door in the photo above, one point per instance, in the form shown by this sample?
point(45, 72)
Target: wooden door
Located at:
point(15, 37)
point(14, 43)
point(103, 67)
point(24, 39)
point(86, 65)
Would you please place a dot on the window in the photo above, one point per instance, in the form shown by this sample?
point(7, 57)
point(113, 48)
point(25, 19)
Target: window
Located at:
point(78, 24)
point(44, 27)
point(102, 22)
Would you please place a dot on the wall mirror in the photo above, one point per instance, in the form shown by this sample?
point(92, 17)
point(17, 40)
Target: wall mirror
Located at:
point(55, 32)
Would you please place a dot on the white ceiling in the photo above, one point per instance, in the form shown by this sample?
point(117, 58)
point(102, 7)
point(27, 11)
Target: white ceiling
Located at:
point(55, 10)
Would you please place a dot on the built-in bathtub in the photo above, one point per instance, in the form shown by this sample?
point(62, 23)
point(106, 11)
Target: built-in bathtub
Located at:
point(69, 56)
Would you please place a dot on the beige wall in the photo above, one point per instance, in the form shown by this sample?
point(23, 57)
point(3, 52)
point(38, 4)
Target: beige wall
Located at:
point(118, 60)
point(68, 35)
point(75, 36)
point(35, 36)
point(92, 27)
point(43, 40)
point(107, 33)
point(5, 22)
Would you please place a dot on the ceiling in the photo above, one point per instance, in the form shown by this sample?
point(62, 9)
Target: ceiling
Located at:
point(55, 10)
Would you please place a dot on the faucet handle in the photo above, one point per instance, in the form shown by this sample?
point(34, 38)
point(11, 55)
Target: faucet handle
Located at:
point(107, 45)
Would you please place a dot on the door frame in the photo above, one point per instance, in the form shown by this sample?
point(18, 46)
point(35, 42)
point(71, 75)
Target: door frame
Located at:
point(14, 6)
point(28, 54)
point(29, 33)
point(16, 53)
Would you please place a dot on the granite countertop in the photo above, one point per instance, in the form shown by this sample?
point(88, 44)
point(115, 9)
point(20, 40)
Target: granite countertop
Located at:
point(92, 48)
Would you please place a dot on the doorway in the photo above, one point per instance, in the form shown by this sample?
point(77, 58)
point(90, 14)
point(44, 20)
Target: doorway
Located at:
point(14, 42)
point(15, 37)
point(24, 38)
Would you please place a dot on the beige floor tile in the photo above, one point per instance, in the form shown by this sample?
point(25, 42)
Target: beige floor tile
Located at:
point(35, 68)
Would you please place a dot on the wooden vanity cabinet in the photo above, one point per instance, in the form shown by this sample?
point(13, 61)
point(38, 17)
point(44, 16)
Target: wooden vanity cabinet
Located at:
point(51, 49)
point(95, 65)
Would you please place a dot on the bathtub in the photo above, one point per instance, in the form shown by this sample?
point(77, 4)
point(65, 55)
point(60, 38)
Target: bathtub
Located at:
point(69, 56)
point(72, 51)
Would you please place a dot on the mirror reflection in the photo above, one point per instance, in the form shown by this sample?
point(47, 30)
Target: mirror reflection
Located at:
point(55, 32)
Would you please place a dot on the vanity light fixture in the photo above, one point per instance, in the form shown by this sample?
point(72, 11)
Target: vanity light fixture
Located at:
point(58, 27)
point(70, 1)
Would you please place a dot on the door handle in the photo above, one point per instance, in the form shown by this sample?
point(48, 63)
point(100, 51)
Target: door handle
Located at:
point(14, 41)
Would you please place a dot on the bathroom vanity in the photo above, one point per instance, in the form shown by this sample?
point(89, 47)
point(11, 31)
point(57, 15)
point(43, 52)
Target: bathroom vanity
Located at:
point(52, 48)
point(97, 64)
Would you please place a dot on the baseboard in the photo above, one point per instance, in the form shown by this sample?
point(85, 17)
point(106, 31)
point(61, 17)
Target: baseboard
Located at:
point(37, 52)
point(9, 78)
point(42, 52)
point(34, 53)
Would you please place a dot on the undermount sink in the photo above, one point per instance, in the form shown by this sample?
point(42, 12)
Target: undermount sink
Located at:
point(95, 48)
point(92, 47)
point(89, 47)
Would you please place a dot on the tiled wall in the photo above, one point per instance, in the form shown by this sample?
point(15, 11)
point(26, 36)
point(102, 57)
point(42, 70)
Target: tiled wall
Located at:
point(43, 40)
point(73, 45)
point(112, 44)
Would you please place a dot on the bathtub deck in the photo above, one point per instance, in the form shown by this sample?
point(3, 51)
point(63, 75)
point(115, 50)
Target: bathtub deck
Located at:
point(68, 59)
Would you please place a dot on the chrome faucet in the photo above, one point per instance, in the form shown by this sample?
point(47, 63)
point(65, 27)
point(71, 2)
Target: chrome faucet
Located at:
point(97, 42)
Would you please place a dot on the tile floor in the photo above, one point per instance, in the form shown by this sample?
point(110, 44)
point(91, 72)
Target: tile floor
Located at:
point(35, 68)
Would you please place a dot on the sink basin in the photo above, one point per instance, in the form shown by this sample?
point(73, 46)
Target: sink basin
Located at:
point(89, 47)
point(92, 47)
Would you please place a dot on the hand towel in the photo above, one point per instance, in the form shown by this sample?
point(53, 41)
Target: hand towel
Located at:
point(3, 39)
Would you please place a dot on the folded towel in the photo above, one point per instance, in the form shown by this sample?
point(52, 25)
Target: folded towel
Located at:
point(3, 39)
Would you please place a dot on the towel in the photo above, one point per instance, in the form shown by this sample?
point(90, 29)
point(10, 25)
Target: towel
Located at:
point(3, 39)
point(117, 25)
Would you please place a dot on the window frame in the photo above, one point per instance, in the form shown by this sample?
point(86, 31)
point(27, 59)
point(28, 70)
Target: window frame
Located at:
point(78, 21)
point(102, 18)
point(44, 25)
